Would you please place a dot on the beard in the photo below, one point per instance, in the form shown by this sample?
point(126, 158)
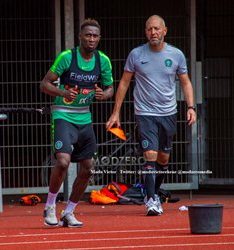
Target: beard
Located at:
point(156, 41)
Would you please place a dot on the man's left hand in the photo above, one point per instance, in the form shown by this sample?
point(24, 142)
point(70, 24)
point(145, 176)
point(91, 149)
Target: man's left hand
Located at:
point(191, 116)
point(99, 93)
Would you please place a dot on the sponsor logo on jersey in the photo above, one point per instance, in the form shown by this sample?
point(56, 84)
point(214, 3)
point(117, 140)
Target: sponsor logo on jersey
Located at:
point(86, 99)
point(65, 100)
point(83, 77)
point(86, 91)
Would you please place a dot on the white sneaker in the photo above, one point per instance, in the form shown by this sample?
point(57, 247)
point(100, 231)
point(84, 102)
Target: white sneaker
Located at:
point(152, 208)
point(69, 220)
point(50, 218)
point(159, 205)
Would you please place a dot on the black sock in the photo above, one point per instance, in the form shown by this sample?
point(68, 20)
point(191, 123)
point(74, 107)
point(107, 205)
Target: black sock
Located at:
point(149, 177)
point(160, 176)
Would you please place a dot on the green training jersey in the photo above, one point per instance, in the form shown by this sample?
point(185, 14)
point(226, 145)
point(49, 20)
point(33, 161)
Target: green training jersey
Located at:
point(77, 111)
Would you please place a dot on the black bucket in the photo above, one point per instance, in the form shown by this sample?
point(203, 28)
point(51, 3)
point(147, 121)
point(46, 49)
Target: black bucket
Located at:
point(205, 218)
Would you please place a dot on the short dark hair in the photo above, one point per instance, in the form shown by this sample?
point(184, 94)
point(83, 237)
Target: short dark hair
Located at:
point(90, 22)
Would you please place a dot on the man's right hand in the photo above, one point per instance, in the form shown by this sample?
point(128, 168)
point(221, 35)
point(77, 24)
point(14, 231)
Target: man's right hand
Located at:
point(71, 93)
point(113, 120)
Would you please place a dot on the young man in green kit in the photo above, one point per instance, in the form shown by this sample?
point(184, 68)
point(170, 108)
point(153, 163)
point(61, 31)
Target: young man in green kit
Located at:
point(80, 70)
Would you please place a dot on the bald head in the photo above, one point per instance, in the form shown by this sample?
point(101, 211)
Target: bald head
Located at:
point(155, 17)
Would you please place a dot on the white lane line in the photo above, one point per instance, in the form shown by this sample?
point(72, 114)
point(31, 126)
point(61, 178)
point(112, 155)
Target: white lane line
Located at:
point(46, 241)
point(97, 232)
point(152, 246)
point(94, 232)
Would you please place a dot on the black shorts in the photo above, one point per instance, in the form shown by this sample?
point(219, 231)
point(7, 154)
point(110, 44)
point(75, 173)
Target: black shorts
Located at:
point(77, 140)
point(156, 132)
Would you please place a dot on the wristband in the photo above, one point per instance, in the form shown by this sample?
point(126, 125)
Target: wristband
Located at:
point(191, 107)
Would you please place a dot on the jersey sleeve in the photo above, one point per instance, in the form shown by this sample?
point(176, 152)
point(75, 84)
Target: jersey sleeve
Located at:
point(130, 62)
point(106, 70)
point(62, 63)
point(182, 65)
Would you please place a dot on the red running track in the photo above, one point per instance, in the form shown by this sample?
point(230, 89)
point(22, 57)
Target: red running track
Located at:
point(115, 227)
